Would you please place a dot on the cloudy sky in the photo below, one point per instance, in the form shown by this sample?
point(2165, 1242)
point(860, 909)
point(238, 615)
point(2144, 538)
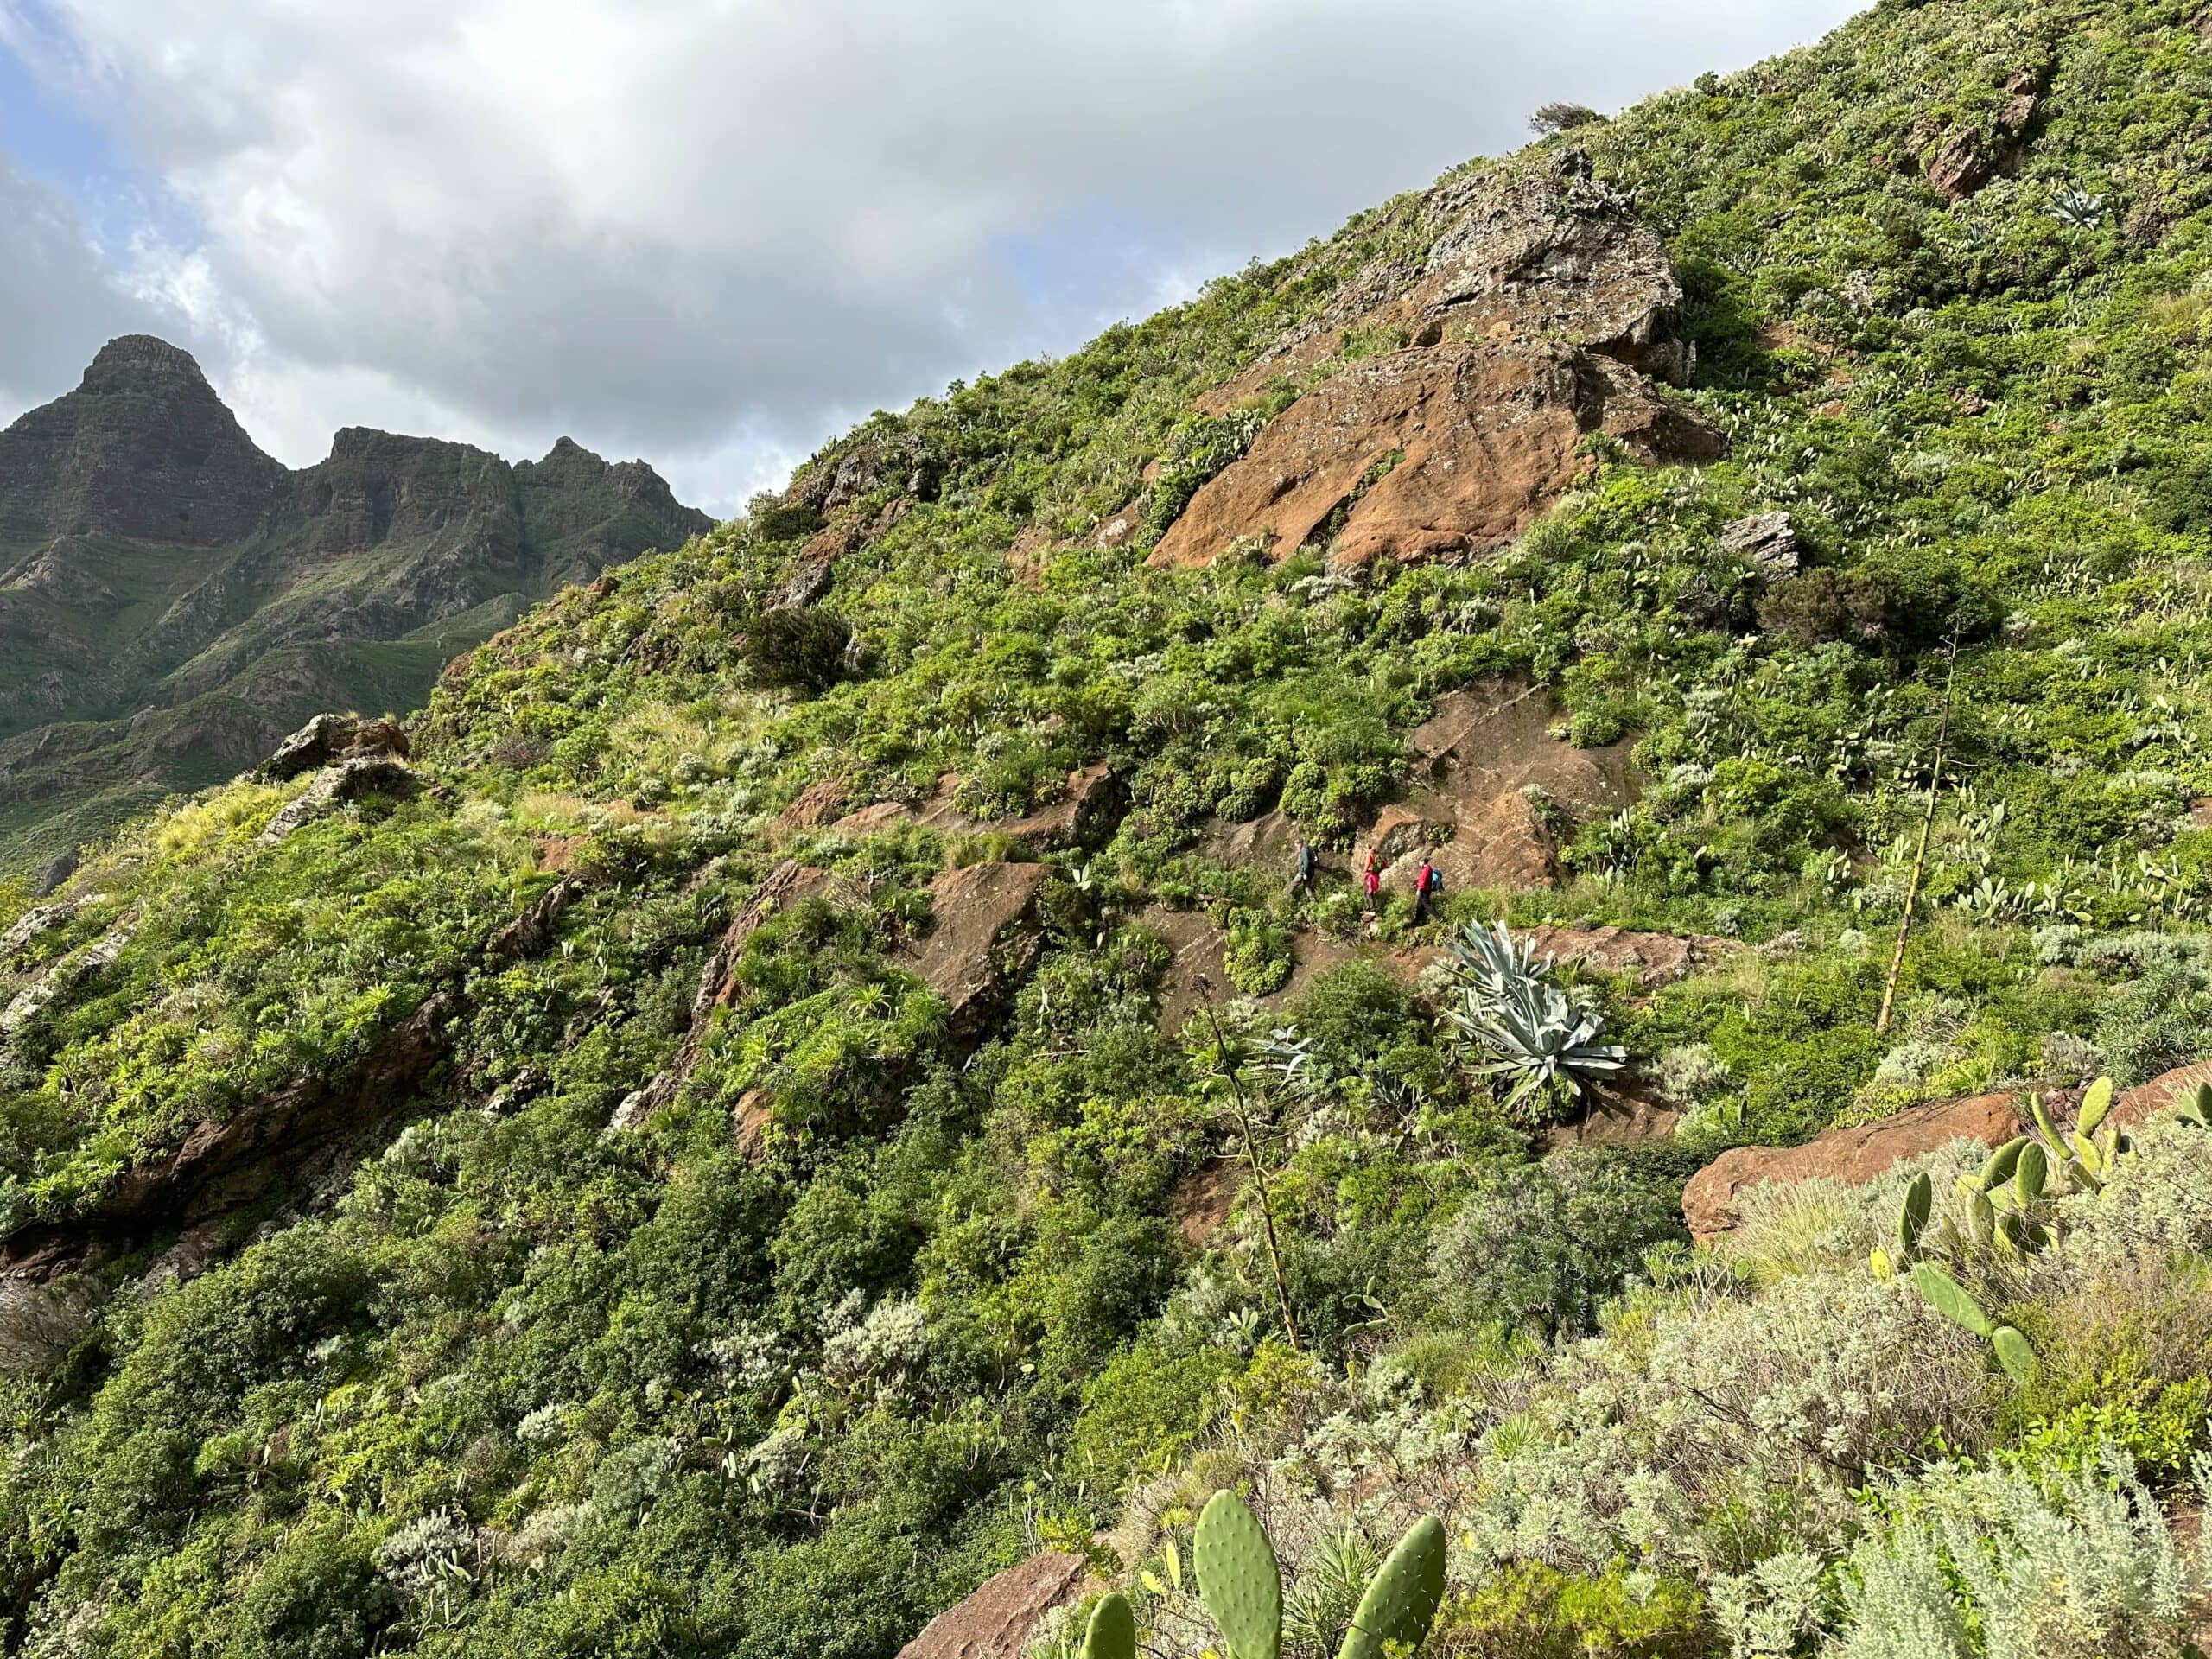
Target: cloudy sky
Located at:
point(711, 233)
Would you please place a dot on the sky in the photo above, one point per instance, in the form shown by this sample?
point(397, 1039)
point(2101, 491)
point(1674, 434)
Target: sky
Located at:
point(713, 233)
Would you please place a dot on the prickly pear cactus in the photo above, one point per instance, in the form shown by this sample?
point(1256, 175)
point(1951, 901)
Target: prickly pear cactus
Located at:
point(1402, 1602)
point(2014, 1354)
point(1947, 1297)
point(1112, 1633)
point(1238, 1578)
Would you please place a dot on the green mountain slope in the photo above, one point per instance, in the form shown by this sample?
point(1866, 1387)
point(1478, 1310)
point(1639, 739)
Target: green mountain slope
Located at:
point(174, 600)
point(756, 1126)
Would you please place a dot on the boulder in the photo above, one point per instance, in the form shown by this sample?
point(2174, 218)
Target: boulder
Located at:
point(1767, 540)
point(330, 738)
point(52, 873)
point(1450, 450)
point(1865, 1152)
point(997, 1621)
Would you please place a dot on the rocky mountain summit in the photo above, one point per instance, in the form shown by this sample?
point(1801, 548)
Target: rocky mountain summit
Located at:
point(173, 600)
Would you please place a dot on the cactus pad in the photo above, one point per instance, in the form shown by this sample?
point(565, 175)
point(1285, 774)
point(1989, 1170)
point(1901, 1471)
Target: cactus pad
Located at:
point(1112, 1633)
point(2014, 1354)
point(1238, 1578)
point(1402, 1602)
point(1947, 1297)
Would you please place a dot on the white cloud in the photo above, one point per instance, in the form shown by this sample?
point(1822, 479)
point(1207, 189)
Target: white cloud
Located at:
point(697, 229)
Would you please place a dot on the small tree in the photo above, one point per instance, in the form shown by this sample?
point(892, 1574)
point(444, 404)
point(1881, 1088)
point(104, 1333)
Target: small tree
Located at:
point(1561, 116)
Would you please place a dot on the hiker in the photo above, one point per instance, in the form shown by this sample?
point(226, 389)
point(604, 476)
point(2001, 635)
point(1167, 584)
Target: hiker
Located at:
point(1302, 865)
point(1425, 883)
point(1372, 876)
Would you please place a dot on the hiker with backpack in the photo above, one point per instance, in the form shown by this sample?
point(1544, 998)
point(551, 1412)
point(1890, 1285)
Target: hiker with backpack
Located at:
point(1426, 884)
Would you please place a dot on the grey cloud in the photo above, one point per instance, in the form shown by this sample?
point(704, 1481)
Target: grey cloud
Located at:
point(55, 295)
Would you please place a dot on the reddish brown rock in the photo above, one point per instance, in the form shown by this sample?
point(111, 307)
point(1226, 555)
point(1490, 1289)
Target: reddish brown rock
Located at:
point(997, 1621)
point(1867, 1151)
point(873, 820)
point(1855, 1155)
point(1084, 816)
point(819, 802)
point(1449, 450)
point(983, 936)
point(1202, 1200)
point(1488, 758)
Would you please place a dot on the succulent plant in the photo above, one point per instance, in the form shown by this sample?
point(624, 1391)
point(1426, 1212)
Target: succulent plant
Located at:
point(1531, 1030)
point(1112, 1633)
point(1241, 1583)
point(2196, 1110)
point(1238, 1578)
point(1401, 1603)
point(1950, 1299)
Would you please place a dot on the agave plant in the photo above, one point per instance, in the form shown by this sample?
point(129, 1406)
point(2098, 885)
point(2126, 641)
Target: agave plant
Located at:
point(1532, 1031)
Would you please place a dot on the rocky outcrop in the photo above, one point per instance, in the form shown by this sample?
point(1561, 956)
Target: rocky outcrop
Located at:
point(338, 785)
point(65, 976)
point(1654, 959)
point(329, 738)
point(1864, 1153)
point(1966, 161)
point(998, 1620)
point(1448, 450)
point(41, 919)
point(983, 936)
point(1766, 541)
point(1542, 312)
point(1493, 779)
point(1084, 816)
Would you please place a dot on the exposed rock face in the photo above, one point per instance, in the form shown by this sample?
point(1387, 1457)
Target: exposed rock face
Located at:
point(338, 786)
point(72, 970)
point(329, 737)
point(1768, 540)
point(1451, 449)
point(1542, 312)
point(1865, 1152)
point(997, 1621)
point(1086, 815)
point(816, 804)
point(1489, 758)
point(1966, 162)
point(1856, 1155)
point(173, 601)
point(1535, 252)
point(983, 936)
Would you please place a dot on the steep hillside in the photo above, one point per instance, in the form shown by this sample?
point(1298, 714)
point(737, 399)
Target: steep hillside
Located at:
point(173, 600)
point(812, 1083)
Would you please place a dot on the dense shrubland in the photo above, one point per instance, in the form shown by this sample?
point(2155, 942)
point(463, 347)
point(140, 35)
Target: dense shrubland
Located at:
point(517, 1384)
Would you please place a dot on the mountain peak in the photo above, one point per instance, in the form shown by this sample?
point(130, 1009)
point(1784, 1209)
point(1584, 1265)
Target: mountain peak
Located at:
point(133, 360)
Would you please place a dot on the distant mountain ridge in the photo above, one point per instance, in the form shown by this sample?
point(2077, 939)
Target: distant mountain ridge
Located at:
point(172, 600)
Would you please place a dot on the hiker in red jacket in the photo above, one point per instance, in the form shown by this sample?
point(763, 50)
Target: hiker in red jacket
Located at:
point(1372, 875)
point(1424, 889)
